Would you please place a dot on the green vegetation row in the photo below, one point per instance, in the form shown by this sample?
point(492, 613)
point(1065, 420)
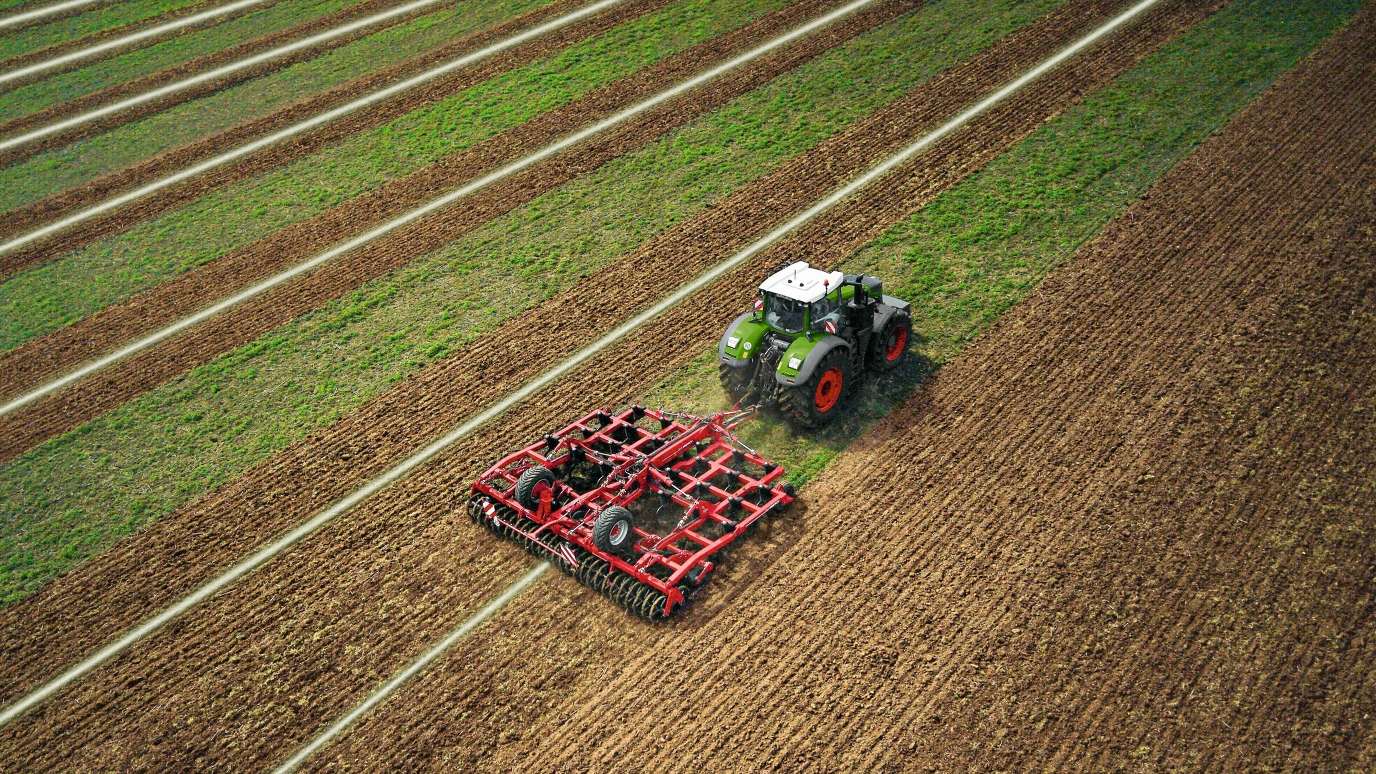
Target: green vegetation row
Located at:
point(45, 297)
point(982, 246)
point(107, 17)
point(104, 73)
point(79, 494)
point(63, 168)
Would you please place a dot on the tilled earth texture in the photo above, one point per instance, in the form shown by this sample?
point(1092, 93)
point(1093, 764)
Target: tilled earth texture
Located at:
point(1128, 529)
point(250, 676)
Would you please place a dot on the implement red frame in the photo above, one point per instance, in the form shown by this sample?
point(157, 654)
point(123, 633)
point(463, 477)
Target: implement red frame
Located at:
point(695, 463)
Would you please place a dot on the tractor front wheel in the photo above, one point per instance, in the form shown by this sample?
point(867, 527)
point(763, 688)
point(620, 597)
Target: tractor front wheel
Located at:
point(818, 400)
point(735, 381)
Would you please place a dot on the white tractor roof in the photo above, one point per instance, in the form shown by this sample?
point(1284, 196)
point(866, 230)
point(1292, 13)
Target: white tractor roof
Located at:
point(802, 282)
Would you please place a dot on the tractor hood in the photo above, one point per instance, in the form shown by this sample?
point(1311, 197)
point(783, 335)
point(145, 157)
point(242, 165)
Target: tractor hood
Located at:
point(741, 342)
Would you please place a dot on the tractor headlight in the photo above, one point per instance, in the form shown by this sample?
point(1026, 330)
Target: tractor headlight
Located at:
point(733, 341)
point(794, 362)
point(746, 347)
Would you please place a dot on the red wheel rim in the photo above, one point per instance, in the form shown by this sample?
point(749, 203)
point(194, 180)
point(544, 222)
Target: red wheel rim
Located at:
point(898, 339)
point(828, 390)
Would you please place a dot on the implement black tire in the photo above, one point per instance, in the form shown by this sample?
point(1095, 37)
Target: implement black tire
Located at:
point(890, 347)
point(614, 532)
point(736, 381)
point(525, 485)
point(824, 395)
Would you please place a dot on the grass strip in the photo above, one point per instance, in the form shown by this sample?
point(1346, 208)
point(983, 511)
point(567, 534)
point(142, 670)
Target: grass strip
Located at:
point(112, 71)
point(48, 296)
point(108, 17)
point(979, 248)
point(60, 169)
point(80, 493)
point(963, 260)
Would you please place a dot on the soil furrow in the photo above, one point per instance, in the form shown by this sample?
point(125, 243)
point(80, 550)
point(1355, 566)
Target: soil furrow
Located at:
point(352, 645)
point(83, 104)
point(89, 194)
point(148, 312)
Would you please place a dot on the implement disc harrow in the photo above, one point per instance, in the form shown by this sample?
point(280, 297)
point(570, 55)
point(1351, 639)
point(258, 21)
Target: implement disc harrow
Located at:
point(674, 489)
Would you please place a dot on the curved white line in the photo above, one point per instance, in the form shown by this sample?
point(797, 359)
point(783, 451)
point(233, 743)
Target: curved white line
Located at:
point(390, 687)
point(303, 530)
point(295, 129)
point(679, 295)
point(20, 18)
point(420, 212)
point(161, 29)
point(220, 72)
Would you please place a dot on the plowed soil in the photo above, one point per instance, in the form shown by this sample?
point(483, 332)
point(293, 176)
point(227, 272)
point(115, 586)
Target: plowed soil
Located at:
point(245, 679)
point(195, 66)
point(48, 356)
point(32, 216)
point(1129, 529)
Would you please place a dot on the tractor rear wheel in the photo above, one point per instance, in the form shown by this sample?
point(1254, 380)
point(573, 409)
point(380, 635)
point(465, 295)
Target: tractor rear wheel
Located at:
point(614, 530)
point(735, 381)
point(818, 400)
point(525, 485)
point(889, 347)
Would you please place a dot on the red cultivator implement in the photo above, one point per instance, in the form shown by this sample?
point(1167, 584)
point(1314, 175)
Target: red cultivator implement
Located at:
point(634, 504)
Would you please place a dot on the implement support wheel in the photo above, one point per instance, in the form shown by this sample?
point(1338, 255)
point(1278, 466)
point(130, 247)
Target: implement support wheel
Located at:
point(525, 485)
point(613, 531)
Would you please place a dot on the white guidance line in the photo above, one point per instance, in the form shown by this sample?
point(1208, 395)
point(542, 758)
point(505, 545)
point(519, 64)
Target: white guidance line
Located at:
point(38, 13)
point(535, 385)
point(311, 123)
point(267, 552)
point(416, 666)
point(211, 75)
point(435, 204)
point(679, 295)
point(135, 37)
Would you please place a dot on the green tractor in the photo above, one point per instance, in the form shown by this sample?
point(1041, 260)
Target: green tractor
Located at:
point(807, 340)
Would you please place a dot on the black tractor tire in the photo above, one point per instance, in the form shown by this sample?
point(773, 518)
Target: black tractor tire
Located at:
point(820, 399)
point(736, 381)
point(525, 485)
point(890, 347)
point(613, 532)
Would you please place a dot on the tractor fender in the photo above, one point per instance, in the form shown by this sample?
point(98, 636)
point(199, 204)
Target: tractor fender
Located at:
point(814, 356)
point(731, 360)
point(885, 311)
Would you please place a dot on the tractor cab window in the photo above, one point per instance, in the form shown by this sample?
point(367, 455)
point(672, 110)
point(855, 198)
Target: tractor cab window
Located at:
point(827, 310)
point(784, 314)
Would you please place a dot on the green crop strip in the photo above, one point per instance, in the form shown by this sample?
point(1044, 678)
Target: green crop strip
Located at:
point(45, 297)
point(62, 168)
point(979, 248)
point(96, 20)
point(80, 493)
point(112, 71)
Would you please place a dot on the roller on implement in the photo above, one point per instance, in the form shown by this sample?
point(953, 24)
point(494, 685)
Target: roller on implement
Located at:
point(633, 504)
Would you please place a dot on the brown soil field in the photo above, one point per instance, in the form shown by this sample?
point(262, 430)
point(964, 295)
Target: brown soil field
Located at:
point(41, 359)
point(246, 678)
point(1129, 529)
point(76, 44)
point(193, 67)
point(91, 193)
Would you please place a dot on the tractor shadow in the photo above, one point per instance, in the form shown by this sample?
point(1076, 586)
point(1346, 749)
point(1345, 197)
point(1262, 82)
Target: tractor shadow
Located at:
point(805, 454)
